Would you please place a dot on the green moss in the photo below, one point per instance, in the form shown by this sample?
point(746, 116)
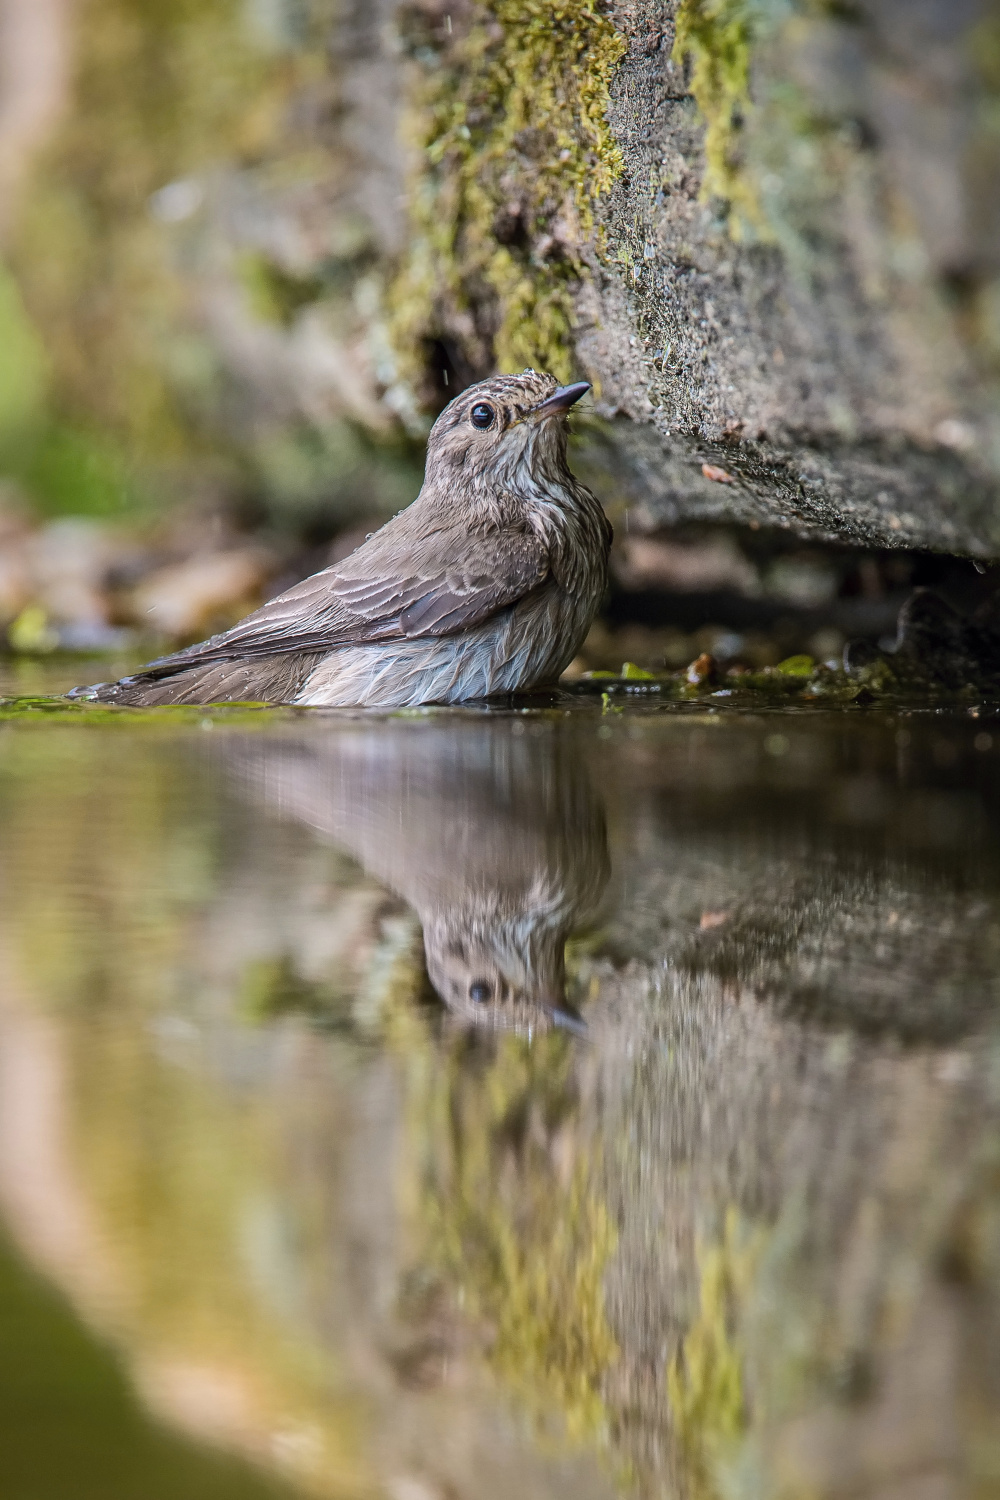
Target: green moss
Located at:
point(715, 37)
point(39, 711)
point(798, 679)
point(526, 1249)
point(514, 151)
point(797, 666)
point(705, 1381)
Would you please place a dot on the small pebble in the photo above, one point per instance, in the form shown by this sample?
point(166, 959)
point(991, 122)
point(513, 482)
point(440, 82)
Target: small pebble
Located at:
point(702, 669)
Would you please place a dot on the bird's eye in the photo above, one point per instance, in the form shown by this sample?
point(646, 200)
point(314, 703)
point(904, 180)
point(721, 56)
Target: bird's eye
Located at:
point(480, 991)
point(482, 415)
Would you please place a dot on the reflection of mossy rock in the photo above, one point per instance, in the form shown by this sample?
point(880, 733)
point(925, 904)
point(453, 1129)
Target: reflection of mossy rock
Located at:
point(108, 1447)
point(527, 1249)
point(240, 1144)
point(746, 1228)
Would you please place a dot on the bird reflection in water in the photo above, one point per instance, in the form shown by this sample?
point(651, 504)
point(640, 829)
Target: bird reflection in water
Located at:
point(492, 832)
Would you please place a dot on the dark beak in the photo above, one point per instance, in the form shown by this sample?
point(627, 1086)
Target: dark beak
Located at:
point(562, 399)
point(568, 1020)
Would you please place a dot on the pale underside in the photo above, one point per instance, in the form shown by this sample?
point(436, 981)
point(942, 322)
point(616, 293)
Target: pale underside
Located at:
point(528, 646)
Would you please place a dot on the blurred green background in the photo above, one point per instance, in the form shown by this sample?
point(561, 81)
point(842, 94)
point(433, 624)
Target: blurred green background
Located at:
point(189, 294)
point(169, 218)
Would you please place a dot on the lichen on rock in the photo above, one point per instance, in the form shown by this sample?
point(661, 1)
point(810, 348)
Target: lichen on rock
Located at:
point(705, 1377)
point(715, 38)
point(804, 295)
point(528, 1253)
point(513, 152)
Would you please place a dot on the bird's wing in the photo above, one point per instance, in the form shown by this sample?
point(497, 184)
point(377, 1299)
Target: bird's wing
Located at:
point(449, 581)
point(393, 588)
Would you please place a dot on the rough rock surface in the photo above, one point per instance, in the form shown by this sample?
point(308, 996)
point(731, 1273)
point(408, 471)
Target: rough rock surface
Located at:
point(830, 338)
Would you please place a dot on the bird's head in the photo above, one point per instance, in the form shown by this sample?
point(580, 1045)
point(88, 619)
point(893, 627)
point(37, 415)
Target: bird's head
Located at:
point(501, 426)
point(505, 972)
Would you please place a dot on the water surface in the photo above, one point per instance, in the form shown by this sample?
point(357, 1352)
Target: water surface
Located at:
point(278, 1220)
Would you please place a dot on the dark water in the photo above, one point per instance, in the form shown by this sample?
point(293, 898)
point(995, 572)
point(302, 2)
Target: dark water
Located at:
point(277, 1221)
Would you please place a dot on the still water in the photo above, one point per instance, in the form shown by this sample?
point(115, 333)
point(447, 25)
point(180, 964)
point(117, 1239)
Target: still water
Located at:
point(279, 1222)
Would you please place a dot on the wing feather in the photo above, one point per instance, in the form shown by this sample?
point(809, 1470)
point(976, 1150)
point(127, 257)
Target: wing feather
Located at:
point(396, 586)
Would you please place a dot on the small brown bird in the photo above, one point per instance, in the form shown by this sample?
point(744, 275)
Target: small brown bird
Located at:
point(486, 584)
